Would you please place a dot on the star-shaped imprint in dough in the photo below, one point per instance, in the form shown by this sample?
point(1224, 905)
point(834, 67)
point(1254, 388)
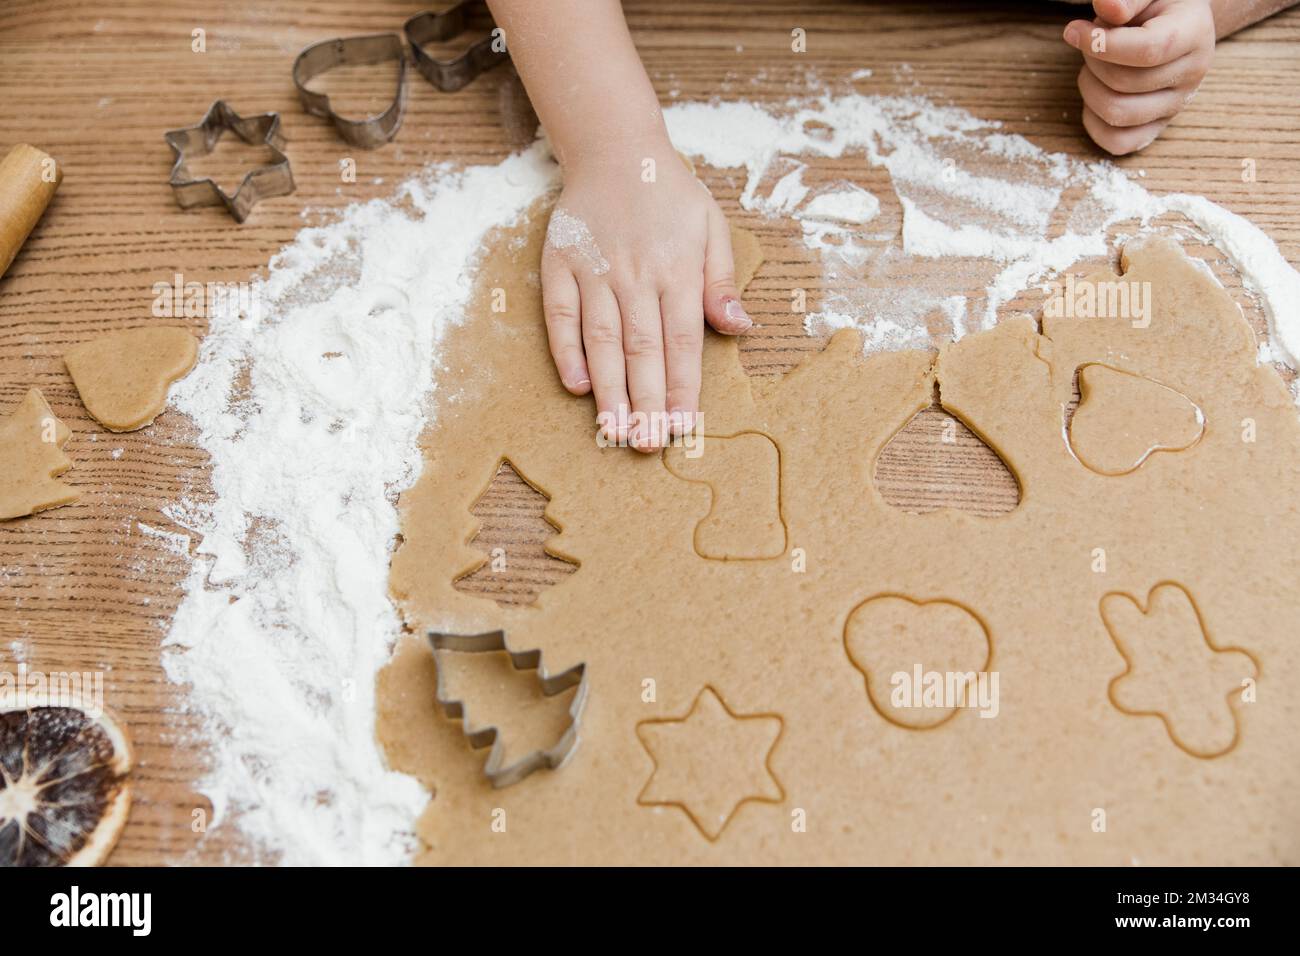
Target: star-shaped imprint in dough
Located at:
point(711, 761)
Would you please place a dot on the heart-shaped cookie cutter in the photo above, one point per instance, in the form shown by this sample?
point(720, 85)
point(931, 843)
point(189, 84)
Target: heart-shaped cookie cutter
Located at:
point(272, 179)
point(321, 57)
point(450, 75)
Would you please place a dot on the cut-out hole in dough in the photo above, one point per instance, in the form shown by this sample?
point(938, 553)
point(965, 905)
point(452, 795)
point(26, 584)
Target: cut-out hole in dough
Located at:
point(710, 761)
point(513, 535)
point(935, 461)
point(898, 643)
point(743, 474)
point(1174, 671)
point(1123, 419)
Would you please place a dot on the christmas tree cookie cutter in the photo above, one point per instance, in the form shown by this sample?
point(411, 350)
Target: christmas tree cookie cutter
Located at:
point(551, 757)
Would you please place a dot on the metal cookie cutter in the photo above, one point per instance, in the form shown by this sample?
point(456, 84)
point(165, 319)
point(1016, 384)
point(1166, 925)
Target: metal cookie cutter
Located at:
point(356, 51)
point(552, 757)
point(273, 179)
point(450, 75)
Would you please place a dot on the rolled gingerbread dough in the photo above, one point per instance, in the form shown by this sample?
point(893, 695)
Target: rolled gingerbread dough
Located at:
point(1192, 758)
point(123, 377)
point(32, 458)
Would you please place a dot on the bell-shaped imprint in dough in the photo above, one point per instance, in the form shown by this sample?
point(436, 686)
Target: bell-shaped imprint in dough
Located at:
point(31, 459)
point(921, 660)
point(1123, 419)
point(123, 377)
point(1175, 672)
point(743, 473)
point(936, 461)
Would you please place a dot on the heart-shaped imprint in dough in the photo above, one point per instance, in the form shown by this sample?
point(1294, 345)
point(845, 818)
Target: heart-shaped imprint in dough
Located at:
point(123, 377)
point(1123, 419)
point(922, 660)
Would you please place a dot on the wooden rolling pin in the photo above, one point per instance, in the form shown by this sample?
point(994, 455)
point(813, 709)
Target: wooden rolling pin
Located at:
point(28, 180)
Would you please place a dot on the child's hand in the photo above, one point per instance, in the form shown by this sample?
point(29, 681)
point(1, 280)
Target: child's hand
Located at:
point(1141, 68)
point(631, 270)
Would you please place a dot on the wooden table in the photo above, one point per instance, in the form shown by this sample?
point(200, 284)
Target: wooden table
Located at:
point(82, 588)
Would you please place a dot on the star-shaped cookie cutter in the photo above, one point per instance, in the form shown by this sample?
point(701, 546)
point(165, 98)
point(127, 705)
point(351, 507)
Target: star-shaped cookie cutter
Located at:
point(373, 131)
point(450, 75)
point(551, 757)
point(272, 179)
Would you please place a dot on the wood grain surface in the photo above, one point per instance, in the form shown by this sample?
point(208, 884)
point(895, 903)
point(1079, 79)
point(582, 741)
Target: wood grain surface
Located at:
point(84, 587)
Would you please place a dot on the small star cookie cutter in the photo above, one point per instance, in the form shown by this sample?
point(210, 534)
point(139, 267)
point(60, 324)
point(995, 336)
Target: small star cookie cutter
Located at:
point(373, 131)
point(450, 75)
point(552, 757)
point(273, 179)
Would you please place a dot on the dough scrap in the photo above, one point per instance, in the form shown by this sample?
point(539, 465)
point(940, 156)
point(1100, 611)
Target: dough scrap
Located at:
point(655, 623)
point(31, 453)
point(123, 377)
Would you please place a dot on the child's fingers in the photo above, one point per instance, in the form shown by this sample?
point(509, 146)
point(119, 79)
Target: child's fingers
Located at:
point(1120, 141)
point(683, 344)
point(562, 307)
point(602, 337)
point(1129, 109)
point(1119, 11)
point(1135, 79)
point(1157, 41)
point(643, 347)
point(722, 306)
point(1125, 110)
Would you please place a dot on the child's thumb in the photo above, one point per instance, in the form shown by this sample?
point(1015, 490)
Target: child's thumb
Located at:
point(722, 308)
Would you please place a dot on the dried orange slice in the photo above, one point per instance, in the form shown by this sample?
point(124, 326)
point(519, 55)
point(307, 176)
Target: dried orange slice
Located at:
point(64, 794)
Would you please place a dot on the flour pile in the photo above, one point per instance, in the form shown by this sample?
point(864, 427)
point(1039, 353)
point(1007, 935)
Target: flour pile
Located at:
point(311, 407)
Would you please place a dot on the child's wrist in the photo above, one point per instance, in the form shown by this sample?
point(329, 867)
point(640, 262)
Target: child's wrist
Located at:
point(624, 147)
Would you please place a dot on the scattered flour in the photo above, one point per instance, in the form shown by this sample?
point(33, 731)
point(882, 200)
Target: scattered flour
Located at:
point(850, 204)
point(311, 408)
point(174, 541)
point(1001, 213)
point(310, 412)
point(567, 231)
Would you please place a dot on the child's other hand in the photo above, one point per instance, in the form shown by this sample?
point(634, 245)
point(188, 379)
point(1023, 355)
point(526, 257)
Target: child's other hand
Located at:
point(630, 272)
point(1141, 68)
